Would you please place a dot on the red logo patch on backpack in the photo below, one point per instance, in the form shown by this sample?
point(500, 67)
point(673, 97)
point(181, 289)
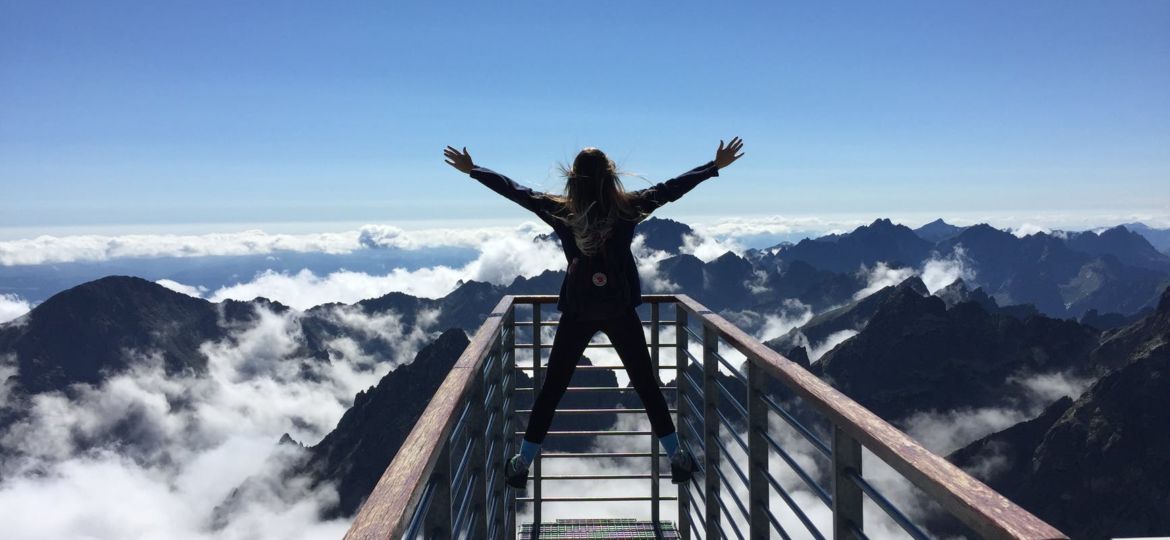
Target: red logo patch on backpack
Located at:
point(599, 279)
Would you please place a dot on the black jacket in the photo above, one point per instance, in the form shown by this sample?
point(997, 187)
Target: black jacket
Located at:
point(647, 200)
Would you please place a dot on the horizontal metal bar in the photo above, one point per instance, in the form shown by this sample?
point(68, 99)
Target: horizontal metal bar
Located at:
point(462, 506)
point(461, 466)
point(460, 425)
point(598, 389)
point(779, 529)
point(590, 433)
point(731, 429)
point(553, 322)
point(886, 505)
point(731, 397)
point(738, 471)
point(691, 381)
point(547, 499)
point(687, 329)
point(695, 490)
point(591, 455)
point(694, 527)
point(594, 411)
point(694, 504)
point(470, 520)
point(808, 435)
point(731, 491)
point(698, 361)
point(794, 506)
point(808, 480)
point(730, 521)
point(734, 370)
point(595, 476)
point(593, 368)
point(589, 346)
point(857, 532)
point(419, 515)
point(697, 439)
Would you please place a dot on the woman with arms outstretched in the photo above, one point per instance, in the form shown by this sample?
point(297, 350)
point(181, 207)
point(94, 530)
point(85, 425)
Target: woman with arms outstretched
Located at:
point(594, 219)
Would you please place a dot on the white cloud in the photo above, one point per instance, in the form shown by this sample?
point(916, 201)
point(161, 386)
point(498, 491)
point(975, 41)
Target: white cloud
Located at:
point(647, 261)
point(836, 338)
point(1027, 229)
point(939, 272)
point(196, 291)
point(936, 273)
point(944, 432)
point(12, 307)
point(58, 249)
point(708, 248)
point(793, 315)
point(880, 277)
point(195, 438)
point(501, 259)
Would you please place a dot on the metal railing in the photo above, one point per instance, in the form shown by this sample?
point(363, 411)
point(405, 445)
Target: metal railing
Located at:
point(447, 479)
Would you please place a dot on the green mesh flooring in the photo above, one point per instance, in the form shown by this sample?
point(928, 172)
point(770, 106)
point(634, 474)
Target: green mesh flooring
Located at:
point(621, 528)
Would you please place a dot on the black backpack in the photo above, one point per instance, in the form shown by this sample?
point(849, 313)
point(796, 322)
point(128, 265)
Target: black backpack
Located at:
point(597, 285)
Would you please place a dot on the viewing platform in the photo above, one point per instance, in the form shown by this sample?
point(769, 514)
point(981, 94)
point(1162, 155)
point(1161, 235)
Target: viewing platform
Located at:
point(744, 423)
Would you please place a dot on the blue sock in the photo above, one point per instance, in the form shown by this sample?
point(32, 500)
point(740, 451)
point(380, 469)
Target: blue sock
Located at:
point(528, 451)
point(670, 443)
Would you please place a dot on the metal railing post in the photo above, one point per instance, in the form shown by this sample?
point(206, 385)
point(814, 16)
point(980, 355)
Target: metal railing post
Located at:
point(846, 494)
point(711, 431)
point(536, 379)
point(495, 459)
point(478, 462)
point(507, 415)
point(680, 365)
point(654, 462)
point(437, 523)
point(757, 452)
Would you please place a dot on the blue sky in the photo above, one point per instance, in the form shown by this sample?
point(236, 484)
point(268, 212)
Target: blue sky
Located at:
point(210, 112)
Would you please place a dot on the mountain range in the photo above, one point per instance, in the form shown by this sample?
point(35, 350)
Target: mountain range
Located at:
point(1089, 306)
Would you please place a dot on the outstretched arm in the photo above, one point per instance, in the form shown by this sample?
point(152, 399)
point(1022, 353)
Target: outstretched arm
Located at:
point(522, 195)
point(671, 190)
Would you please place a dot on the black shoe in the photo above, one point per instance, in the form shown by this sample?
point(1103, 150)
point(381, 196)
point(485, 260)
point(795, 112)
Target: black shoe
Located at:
point(683, 466)
point(515, 473)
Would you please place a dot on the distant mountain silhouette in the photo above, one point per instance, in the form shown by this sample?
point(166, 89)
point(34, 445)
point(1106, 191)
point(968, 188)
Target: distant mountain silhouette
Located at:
point(1159, 238)
point(84, 333)
point(1129, 248)
point(915, 355)
point(938, 230)
point(799, 280)
point(958, 292)
point(880, 241)
point(1046, 271)
point(852, 316)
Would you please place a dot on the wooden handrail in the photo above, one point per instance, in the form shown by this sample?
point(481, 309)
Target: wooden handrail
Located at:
point(387, 510)
point(384, 513)
point(975, 504)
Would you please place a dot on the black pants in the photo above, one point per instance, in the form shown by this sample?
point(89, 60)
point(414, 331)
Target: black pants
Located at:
point(625, 332)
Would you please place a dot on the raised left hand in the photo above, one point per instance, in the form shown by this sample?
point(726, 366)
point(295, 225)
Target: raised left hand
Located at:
point(461, 161)
point(726, 156)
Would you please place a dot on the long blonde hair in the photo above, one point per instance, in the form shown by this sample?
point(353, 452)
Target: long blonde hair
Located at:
point(593, 199)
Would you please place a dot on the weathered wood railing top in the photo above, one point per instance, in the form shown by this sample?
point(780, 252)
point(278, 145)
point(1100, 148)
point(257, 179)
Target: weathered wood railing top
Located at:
point(390, 508)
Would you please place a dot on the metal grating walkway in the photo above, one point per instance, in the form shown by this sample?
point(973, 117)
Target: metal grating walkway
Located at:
point(620, 528)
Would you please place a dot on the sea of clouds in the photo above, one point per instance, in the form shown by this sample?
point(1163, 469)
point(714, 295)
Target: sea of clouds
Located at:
point(146, 454)
point(197, 438)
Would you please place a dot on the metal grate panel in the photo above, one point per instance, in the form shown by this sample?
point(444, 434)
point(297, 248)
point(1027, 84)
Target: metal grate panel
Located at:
point(617, 528)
